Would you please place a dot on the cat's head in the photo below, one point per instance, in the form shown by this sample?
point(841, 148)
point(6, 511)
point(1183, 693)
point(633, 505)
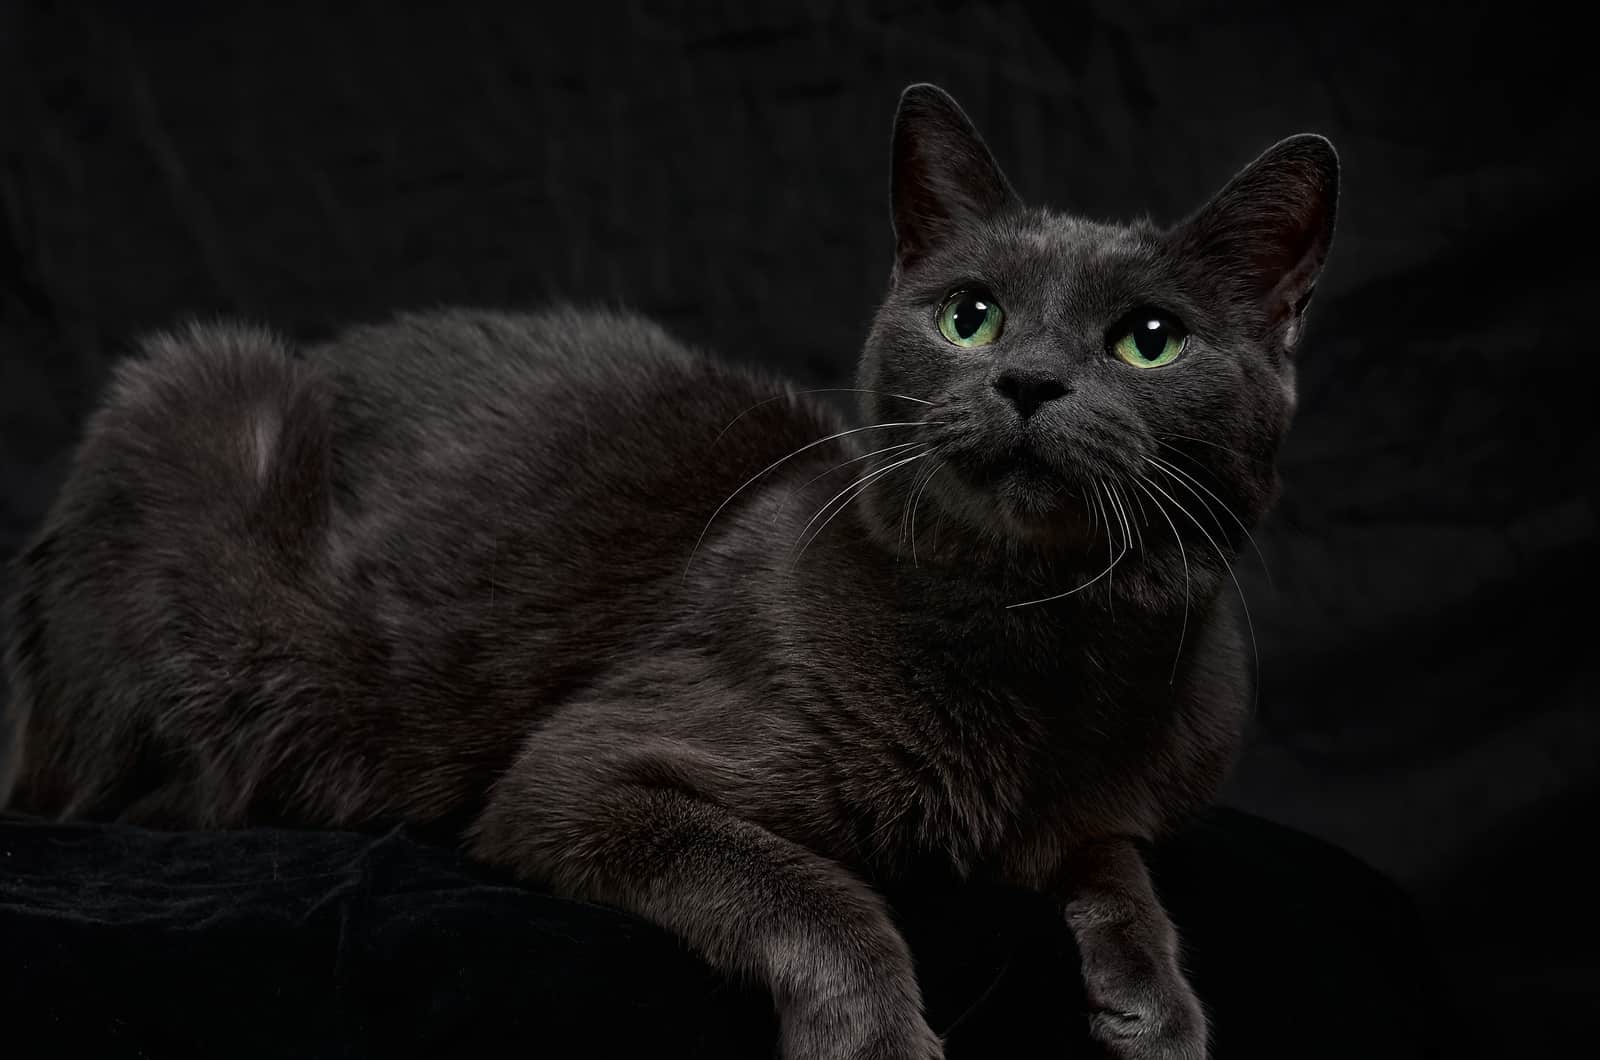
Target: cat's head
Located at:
point(1084, 376)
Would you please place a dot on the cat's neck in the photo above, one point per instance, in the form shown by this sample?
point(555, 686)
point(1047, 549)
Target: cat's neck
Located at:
point(1066, 581)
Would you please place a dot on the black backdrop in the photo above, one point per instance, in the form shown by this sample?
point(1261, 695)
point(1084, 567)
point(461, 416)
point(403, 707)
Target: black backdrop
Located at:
point(1429, 683)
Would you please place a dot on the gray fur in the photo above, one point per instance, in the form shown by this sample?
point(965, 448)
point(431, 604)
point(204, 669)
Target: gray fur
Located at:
point(458, 568)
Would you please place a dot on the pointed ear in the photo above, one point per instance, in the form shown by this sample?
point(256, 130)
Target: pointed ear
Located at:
point(942, 173)
point(1269, 231)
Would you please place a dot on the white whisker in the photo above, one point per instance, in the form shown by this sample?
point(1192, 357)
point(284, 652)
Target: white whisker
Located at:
point(1165, 469)
point(937, 466)
point(1183, 629)
point(1130, 524)
point(1254, 650)
point(1231, 514)
point(817, 390)
point(1107, 511)
point(1202, 441)
point(1127, 544)
point(859, 486)
point(853, 460)
point(1069, 592)
point(906, 520)
point(810, 445)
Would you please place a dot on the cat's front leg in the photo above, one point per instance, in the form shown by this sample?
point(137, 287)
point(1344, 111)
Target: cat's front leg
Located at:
point(636, 835)
point(1140, 1005)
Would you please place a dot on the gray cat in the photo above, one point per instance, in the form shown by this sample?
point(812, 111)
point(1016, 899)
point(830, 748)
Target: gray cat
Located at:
point(662, 633)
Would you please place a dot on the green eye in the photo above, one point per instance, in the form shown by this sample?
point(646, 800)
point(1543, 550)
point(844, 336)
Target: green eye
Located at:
point(1150, 339)
point(970, 318)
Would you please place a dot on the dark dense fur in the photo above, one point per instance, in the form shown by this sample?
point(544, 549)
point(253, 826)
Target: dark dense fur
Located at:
point(525, 573)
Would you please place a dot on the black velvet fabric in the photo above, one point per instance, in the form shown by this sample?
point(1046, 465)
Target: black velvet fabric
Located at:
point(122, 942)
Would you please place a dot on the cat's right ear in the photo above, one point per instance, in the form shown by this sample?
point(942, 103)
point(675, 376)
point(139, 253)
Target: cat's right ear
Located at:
point(942, 176)
point(1270, 229)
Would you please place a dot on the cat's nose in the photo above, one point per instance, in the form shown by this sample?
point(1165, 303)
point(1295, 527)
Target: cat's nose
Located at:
point(1027, 389)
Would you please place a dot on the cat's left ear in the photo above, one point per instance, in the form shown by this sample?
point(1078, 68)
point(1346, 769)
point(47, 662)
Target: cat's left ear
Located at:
point(1269, 231)
point(943, 174)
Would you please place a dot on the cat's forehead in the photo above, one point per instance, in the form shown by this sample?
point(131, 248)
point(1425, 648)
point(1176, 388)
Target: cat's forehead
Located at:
point(1049, 231)
point(1066, 243)
point(1046, 254)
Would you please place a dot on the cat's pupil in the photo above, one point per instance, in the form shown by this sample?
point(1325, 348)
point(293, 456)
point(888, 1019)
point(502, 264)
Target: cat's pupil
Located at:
point(1150, 336)
point(969, 316)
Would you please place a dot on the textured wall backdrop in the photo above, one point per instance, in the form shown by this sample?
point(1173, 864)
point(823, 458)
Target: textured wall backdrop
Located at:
point(1429, 679)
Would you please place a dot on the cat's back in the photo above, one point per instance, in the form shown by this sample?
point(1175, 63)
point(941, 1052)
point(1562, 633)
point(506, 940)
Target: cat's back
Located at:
point(563, 464)
point(387, 547)
point(425, 386)
point(591, 442)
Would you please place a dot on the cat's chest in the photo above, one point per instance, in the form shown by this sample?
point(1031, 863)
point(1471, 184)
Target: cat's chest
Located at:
point(1012, 767)
point(959, 734)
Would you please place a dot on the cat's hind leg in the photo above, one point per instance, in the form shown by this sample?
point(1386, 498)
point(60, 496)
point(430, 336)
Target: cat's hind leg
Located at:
point(168, 571)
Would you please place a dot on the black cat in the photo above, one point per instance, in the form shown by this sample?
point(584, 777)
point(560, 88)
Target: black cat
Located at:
point(671, 637)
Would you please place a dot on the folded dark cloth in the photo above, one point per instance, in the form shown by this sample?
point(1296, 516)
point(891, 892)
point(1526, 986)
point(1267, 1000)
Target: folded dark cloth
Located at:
point(122, 942)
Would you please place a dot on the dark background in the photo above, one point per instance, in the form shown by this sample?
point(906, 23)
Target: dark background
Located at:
point(1426, 640)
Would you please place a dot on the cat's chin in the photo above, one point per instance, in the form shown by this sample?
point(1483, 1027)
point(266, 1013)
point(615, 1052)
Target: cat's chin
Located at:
point(1032, 506)
point(1061, 527)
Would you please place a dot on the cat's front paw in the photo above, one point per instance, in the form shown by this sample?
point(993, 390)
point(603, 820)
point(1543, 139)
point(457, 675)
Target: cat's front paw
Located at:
point(909, 1039)
point(1146, 1017)
point(917, 1043)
